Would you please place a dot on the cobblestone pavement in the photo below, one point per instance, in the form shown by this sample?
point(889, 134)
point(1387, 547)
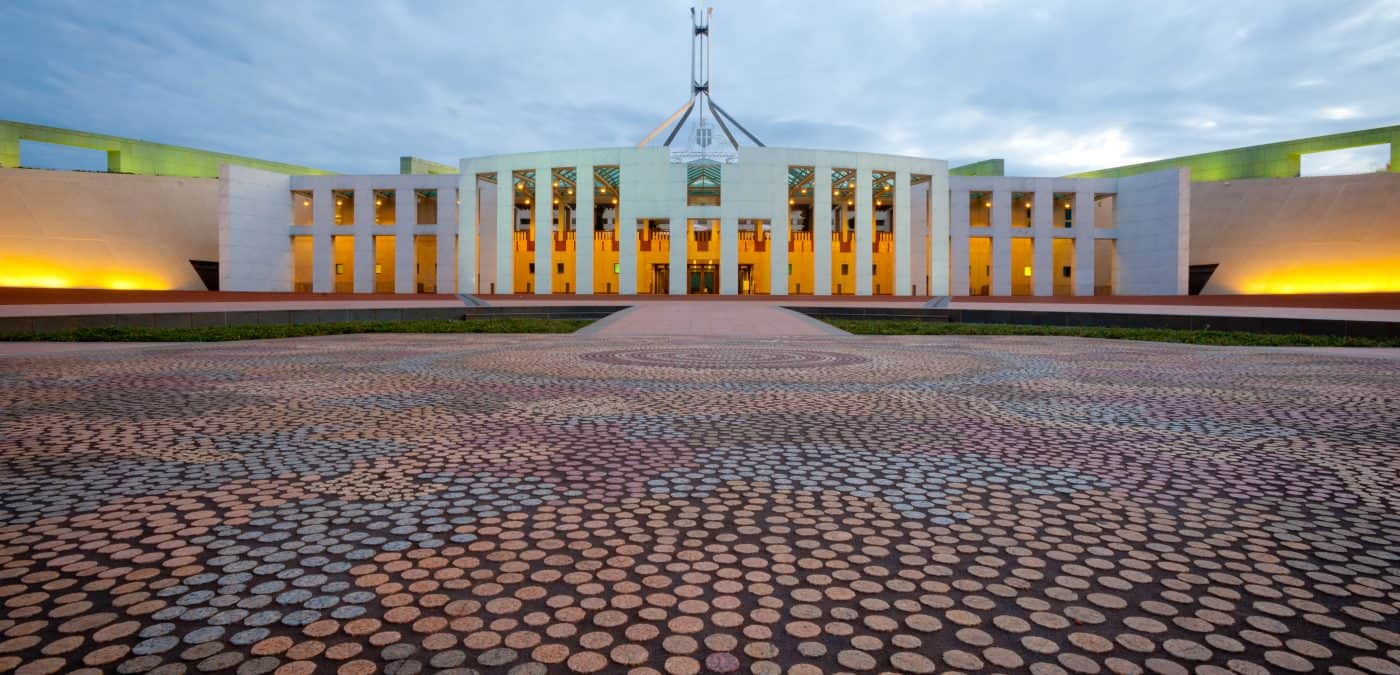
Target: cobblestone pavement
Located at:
point(512, 504)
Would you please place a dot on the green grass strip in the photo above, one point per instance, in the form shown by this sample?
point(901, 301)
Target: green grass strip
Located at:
point(1194, 337)
point(269, 331)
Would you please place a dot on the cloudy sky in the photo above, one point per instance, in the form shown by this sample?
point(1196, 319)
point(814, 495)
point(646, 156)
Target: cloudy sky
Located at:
point(1052, 87)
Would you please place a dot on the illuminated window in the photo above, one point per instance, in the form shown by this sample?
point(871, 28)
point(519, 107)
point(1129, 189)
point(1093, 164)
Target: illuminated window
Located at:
point(617, 268)
point(1026, 271)
point(339, 268)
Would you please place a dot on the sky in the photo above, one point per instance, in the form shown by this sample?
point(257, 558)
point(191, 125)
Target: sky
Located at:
point(1052, 87)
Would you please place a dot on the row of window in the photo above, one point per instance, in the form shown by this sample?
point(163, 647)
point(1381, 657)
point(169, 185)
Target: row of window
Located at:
point(386, 210)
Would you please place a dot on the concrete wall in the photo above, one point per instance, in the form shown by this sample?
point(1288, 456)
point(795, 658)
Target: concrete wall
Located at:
point(1150, 247)
point(95, 230)
point(1153, 220)
point(128, 155)
point(1299, 235)
point(255, 251)
point(754, 188)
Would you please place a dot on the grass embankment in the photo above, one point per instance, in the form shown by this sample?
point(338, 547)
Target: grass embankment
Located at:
point(263, 332)
point(1195, 337)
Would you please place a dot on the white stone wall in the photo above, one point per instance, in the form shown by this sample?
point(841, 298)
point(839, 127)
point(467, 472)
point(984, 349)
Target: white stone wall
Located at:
point(81, 229)
point(754, 188)
point(255, 211)
point(1299, 235)
point(1149, 215)
point(1151, 228)
point(1152, 222)
point(364, 229)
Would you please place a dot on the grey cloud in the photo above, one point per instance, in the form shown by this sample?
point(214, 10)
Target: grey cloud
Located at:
point(1052, 87)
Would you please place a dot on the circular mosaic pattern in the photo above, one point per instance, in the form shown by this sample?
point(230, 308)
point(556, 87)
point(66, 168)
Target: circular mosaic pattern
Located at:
point(737, 358)
point(519, 505)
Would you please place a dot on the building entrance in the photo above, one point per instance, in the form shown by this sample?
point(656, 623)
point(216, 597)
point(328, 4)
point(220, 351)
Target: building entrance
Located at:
point(660, 279)
point(746, 279)
point(703, 279)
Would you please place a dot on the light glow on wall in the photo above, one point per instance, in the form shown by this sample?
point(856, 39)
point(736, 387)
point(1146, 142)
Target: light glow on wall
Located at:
point(1381, 276)
point(28, 273)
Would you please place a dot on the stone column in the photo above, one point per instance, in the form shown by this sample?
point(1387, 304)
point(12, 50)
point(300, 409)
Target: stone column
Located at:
point(9, 147)
point(364, 239)
point(1042, 228)
point(939, 231)
point(1001, 242)
point(865, 231)
point(728, 255)
point(626, 231)
point(583, 230)
point(457, 230)
point(543, 214)
point(322, 252)
point(821, 230)
point(903, 251)
point(960, 250)
point(405, 245)
point(505, 231)
point(779, 228)
point(678, 229)
point(1083, 228)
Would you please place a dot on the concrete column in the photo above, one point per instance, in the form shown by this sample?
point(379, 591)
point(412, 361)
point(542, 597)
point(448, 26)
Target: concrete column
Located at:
point(544, 229)
point(821, 230)
point(865, 231)
point(322, 252)
point(939, 231)
point(505, 231)
point(458, 228)
point(728, 255)
point(903, 250)
point(583, 234)
point(364, 240)
point(9, 147)
point(781, 226)
point(626, 231)
point(1083, 229)
point(679, 230)
point(959, 250)
point(405, 259)
point(1042, 228)
point(1001, 242)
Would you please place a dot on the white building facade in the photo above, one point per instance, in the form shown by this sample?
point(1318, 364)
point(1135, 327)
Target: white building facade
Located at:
point(774, 221)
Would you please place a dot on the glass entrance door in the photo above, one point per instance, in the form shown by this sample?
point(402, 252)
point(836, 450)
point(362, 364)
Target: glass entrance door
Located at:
point(703, 278)
point(746, 279)
point(660, 279)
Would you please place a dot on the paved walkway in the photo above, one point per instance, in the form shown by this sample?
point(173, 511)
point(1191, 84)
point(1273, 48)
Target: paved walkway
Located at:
point(711, 319)
point(541, 504)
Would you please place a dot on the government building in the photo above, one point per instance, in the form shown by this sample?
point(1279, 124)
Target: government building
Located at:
point(699, 207)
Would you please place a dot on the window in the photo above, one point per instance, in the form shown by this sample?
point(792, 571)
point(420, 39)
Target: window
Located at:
point(378, 269)
point(845, 269)
point(301, 207)
point(703, 183)
point(532, 268)
point(1069, 217)
point(339, 268)
point(617, 268)
point(558, 268)
point(1064, 271)
point(874, 269)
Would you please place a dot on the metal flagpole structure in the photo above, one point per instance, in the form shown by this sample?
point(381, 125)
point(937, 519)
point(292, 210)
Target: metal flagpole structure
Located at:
point(700, 101)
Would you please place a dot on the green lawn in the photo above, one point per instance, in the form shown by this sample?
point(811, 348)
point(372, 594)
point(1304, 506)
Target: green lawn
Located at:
point(1196, 337)
point(263, 332)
